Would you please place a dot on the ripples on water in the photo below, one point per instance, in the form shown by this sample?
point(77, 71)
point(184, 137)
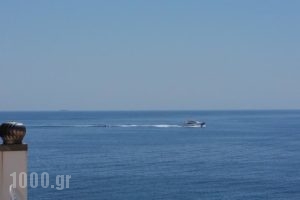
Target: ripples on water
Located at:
point(148, 155)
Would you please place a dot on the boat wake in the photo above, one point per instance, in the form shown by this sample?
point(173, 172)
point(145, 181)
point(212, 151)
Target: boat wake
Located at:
point(108, 126)
point(153, 125)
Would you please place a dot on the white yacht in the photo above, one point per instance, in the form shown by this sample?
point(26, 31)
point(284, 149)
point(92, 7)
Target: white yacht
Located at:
point(194, 124)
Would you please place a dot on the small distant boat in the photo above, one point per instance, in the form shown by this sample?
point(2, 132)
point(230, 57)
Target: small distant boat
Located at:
point(194, 124)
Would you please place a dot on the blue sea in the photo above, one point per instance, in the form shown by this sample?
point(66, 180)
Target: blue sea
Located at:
point(148, 155)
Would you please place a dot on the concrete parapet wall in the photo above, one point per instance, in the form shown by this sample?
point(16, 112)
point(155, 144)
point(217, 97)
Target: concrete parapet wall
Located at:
point(13, 159)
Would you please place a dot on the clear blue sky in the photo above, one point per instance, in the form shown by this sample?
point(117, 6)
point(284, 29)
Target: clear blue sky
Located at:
point(144, 55)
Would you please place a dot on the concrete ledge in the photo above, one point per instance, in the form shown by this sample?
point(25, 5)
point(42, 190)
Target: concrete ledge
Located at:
point(14, 147)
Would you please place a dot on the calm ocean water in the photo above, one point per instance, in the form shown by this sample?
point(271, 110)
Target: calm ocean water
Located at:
point(146, 155)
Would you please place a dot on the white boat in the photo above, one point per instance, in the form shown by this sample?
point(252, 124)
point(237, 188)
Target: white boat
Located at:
point(194, 124)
